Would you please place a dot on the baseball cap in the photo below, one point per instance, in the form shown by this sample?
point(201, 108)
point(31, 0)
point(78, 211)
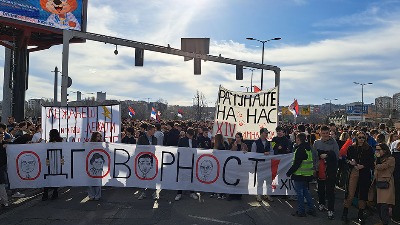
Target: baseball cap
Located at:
point(262, 130)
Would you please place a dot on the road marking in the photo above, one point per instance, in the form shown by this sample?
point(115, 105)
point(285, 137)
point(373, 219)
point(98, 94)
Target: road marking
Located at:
point(214, 220)
point(242, 211)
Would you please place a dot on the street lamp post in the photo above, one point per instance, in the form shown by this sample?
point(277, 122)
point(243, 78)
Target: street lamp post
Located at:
point(262, 58)
point(330, 104)
point(362, 98)
point(251, 80)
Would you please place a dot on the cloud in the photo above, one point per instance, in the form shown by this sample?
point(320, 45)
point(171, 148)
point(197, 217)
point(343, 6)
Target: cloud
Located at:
point(309, 72)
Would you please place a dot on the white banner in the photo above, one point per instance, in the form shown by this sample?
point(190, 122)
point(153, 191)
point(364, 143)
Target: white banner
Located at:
point(76, 124)
point(246, 112)
point(123, 165)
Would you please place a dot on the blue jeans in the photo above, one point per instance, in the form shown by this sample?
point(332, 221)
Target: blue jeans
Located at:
point(302, 191)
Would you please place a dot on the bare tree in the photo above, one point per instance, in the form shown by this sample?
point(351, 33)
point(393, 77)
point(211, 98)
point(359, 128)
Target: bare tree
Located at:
point(199, 106)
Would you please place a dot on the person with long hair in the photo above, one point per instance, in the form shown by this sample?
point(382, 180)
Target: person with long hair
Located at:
point(54, 136)
point(360, 158)
point(384, 168)
point(94, 192)
point(238, 144)
point(392, 138)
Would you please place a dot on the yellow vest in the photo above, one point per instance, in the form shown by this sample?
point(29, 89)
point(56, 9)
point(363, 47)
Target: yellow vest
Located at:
point(306, 167)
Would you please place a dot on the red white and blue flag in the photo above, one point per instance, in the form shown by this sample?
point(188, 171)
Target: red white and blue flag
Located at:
point(294, 108)
point(153, 113)
point(131, 111)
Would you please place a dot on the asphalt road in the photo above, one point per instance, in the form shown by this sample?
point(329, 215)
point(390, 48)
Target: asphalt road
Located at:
point(121, 206)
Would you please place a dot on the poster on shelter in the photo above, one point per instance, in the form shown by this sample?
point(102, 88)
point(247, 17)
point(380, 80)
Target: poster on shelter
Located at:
point(65, 14)
point(246, 112)
point(76, 124)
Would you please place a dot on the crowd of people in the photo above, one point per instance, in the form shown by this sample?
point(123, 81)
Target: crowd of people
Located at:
point(365, 162)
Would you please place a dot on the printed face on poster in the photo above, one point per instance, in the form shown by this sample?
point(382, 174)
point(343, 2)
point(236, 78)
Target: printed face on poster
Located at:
point(246, 112)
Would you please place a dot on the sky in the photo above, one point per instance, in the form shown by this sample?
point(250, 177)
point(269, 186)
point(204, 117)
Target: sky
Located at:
point(326, 45)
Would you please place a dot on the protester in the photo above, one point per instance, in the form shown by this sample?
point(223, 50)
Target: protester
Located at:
point(159, 135)
point(385, 193)
point(361, 162)
point(301, 172)
point(280, 143)
point(3, 171)
point(148, 139)
point(392, 138)
point(54, 136)
point(94, 192)
point(326, 155)
point(129, 136)
point(396, 176)
point(188, 142)
point(204, 141)
point(238, 145)
point(172, 136)
point(219, 145)
point(263, 146)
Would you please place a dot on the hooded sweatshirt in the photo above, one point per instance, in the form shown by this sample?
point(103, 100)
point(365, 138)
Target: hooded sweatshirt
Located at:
point(329, 147)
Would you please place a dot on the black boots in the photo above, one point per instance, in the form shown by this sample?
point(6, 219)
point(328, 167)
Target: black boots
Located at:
point(345, 213)
point(361, 219)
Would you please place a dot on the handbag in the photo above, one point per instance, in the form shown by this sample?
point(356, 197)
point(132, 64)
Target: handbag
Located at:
point(382, 184)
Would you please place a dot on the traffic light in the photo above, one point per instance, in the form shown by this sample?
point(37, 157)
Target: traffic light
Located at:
point(139, 55)
point(239, 72)
point(197, 66)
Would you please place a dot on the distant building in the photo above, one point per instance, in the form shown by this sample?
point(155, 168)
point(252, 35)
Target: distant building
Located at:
point(101, 97)
point(396, 101)
point(383, 103)
point(34, 103)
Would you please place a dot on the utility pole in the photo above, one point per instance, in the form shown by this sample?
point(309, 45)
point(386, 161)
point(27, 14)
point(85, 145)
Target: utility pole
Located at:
point(55, 84)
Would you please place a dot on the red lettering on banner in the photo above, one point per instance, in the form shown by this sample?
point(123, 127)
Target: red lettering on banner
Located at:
point(219, 128)
point(229, 129)
point(274, 171)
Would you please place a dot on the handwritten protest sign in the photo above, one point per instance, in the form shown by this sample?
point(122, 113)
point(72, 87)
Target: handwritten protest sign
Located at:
point(76, 124)
point(246, 112)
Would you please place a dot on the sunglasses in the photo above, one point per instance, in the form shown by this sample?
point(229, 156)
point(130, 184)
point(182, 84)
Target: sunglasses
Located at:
point(361, 137)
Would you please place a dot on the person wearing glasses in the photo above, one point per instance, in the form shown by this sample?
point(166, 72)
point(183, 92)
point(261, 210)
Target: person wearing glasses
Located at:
point(384, 168)
point(360, 158)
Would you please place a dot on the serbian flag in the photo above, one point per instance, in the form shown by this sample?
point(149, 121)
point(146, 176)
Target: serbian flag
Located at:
point(180, 113)
point(153, 113)
point(294, 108)
point(131, 111)
point(256, 89)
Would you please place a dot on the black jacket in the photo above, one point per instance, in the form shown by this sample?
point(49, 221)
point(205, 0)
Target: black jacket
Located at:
point(171, 138)
point(144, 141)
point(129, 140)
point(184, 142)
point(284, 142)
